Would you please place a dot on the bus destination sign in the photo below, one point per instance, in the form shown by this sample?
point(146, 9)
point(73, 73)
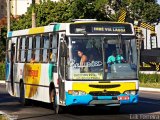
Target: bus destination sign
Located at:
point(109, 29)
point(106, 28)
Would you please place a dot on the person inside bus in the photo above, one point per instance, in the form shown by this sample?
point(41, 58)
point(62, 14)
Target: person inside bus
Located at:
point(32, 59)
point(119, 57)
point(112, 59)
point(83, 60)
point(115, 58)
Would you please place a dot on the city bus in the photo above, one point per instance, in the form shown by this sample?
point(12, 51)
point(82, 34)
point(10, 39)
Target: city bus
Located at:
point(66, 64)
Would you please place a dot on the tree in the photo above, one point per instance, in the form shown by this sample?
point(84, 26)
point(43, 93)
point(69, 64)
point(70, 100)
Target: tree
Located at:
point(62, 11)
point(144, 10)
point(3, 43)
point(67, 10)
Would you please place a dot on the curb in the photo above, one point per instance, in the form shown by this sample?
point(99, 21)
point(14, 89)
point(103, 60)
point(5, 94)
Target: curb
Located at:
point(2, 81)
point(6, 116)
point(149, 89)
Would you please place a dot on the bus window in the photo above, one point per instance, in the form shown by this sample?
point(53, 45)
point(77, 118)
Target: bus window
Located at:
point(18, 49)
point(53, 48)
point(45, 47)
point(23, 50)
point(37, 50)
point(8, 50)
point(33, 48)
point(29, 49)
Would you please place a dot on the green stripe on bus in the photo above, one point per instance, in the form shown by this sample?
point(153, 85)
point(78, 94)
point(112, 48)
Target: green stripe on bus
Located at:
point(56, 27)
point(50, 72)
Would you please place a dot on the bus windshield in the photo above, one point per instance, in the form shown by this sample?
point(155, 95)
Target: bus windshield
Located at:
point(91, 58)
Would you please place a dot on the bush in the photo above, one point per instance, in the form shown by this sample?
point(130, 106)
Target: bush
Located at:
point(149, 78)
point(2, 71)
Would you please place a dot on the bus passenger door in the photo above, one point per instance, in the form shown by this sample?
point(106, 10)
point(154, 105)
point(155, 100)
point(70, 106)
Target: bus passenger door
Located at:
point(12, 63)
point(62, 69)
point(9, 65)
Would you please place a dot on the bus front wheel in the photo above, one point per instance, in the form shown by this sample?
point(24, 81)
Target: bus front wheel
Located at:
point(57, 108)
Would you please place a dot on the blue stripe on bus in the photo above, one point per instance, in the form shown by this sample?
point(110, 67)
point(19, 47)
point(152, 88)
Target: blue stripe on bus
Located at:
point(9, 34)
point(7, 70)
point(86, 99)
point(78, 100)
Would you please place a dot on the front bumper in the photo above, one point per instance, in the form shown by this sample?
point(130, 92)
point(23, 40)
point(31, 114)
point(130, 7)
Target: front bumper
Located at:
point(99, 100)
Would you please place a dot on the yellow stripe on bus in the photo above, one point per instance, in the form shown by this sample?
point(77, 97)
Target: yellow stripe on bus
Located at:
point(116, 86)
point(36, 30)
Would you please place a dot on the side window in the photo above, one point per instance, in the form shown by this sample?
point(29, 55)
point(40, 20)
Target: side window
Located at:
point(37, 48)
point(22, 50)
point(33, 48)
point(8, 50)
point(53, 47)
point(45, 48)
point(18, 49)
point(29, 49)
point(13, 49)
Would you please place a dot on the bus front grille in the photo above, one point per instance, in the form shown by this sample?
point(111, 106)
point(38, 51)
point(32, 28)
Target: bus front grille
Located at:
point(102, 93)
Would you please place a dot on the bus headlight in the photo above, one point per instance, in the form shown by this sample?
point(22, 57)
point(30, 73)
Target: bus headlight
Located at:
point(76, 92)
point(132, 92)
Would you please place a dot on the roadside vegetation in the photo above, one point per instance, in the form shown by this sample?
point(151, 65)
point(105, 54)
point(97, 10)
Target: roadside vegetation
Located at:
point(150, 85)
point(3, 117)
point(149, 80)
point(2, 72)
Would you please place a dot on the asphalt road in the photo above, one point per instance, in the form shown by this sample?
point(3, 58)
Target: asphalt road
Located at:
point(147, 108)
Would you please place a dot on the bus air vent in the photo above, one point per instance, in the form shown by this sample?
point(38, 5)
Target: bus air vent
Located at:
point(102, 93)
point(105, 86)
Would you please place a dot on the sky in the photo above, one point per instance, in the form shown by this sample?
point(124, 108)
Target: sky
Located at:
point(158, 1)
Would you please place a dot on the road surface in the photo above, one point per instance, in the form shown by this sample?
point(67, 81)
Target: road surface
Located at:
point(148, 107)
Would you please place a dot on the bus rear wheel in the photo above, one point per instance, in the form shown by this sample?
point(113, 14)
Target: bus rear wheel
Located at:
point(22, 97)
point(57, 108)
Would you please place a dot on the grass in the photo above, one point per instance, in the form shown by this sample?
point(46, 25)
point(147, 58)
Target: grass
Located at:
point(3, 117)
point(150, 85)
point(149, 80)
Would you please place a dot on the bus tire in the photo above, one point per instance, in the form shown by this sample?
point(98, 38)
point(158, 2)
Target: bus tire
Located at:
point(22, 99)
point(21, 96)
point(57, 108)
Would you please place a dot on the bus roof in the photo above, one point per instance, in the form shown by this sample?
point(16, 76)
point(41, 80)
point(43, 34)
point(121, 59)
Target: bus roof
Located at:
point(60, 27)
point(36, 30)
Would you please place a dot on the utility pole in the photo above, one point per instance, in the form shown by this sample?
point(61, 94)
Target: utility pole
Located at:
point(8, 16)
point(33, 14)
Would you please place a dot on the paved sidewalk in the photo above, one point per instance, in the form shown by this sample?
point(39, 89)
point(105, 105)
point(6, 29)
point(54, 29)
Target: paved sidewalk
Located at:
point(1, 81)
point(149, 89)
